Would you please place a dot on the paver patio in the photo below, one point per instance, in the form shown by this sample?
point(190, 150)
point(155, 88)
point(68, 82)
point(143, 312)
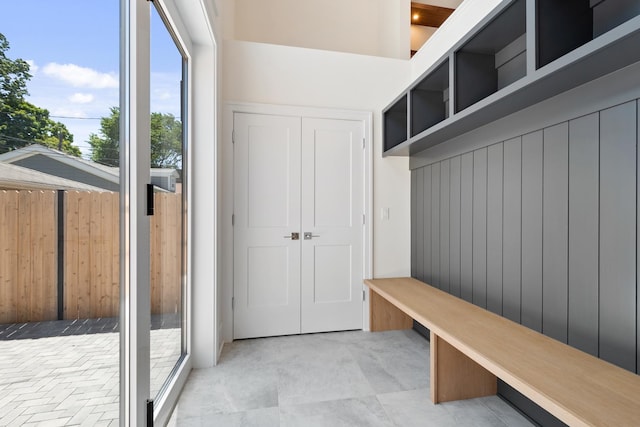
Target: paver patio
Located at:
point(70, 380)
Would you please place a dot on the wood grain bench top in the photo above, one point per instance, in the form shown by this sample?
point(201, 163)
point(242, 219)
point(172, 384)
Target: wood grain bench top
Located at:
point(576, 387)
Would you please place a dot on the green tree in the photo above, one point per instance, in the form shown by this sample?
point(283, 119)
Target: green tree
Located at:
point(14, 75)
point(105, 148)
point(22, 123)
point(166, 140)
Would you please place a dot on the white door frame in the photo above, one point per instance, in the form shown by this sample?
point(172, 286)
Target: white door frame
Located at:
point(227, 192)
point(135, 303)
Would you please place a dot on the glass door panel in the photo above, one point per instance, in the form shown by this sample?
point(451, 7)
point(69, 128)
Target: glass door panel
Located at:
point(59, 213)
point(167, 233)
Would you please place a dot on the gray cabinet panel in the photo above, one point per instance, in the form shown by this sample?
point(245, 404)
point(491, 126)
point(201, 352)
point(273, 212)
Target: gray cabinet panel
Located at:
point(466, 227)
point(480, 227)
point(512, 229)
point(419, 237)
point(513, 70)
point(444, 224)
point(414, 224)
point(618, 235)
point(555, 231)
point(638, 249)
point(435, 225)
point(427, 224)
point(494, 227)
point(531, 310)
point(454, 227)
point(583, 233)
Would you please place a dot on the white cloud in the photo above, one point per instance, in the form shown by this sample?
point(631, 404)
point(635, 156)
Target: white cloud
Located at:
point(165, 92)
point(162, 95)
point(33, 68)
point(81, 98)
point(68, 112)
point(78, 76)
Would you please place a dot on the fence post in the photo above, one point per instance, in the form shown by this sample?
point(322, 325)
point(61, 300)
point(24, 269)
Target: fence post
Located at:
point(60, 254)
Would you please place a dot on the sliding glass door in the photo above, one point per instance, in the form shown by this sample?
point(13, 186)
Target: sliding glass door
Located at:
point(59, 213)
point(93, 210)
point(153, 204)
point(168, 224)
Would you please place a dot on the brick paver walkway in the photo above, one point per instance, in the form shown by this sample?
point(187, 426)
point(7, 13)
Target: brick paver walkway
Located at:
point(72, 380)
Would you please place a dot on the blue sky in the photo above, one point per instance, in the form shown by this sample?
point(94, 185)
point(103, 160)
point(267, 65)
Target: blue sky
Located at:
point(72, 46)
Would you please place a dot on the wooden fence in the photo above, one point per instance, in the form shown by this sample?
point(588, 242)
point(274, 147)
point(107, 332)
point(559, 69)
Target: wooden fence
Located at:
point(34, 233)
point(28, 288)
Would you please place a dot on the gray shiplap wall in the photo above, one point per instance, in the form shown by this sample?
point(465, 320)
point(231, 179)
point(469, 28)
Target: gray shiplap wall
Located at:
point(542, 229)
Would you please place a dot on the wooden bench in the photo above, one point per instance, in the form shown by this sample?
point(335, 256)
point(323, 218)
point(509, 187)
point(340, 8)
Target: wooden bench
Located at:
point(472, 347)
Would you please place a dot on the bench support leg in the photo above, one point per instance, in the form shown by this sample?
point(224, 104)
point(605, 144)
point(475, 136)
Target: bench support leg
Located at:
point(384, 316)
point(456, 377)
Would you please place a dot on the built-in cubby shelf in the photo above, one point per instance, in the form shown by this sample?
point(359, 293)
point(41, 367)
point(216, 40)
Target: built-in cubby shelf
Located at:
point(395, 123)
point(493, 58)
point(522, 53)
point(430, 99)
point(563, 26)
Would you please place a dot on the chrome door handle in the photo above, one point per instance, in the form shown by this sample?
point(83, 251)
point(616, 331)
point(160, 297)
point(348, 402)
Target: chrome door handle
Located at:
point(293, 236)
point(308, 235)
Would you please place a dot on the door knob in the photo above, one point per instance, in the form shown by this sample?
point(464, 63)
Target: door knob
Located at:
point(293, 236)
point(308, 235)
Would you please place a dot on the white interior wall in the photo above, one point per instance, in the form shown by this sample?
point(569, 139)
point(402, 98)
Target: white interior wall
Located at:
point(218, 285)
point(394, 35)
point(419, 35)
point(368, 27)
point(204, 132)
point(264, 73)
point(281, 75)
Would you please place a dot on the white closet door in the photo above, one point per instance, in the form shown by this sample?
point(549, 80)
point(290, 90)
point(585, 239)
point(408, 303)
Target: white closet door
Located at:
point(303, 176)
point(267, 212)
point(332, 224)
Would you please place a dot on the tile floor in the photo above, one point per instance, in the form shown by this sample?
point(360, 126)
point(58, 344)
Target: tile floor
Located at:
point(335, 379)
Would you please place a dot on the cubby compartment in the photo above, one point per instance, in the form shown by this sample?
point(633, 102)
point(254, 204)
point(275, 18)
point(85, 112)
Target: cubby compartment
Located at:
point(608, 14)
point(430, 99)
point(562, 26)
point(395, 123)
point(494, 58)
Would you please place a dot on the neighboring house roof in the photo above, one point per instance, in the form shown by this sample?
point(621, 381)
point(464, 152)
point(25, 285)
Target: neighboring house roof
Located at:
point(18, 178)
point(72, 168)
point(104, 172)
